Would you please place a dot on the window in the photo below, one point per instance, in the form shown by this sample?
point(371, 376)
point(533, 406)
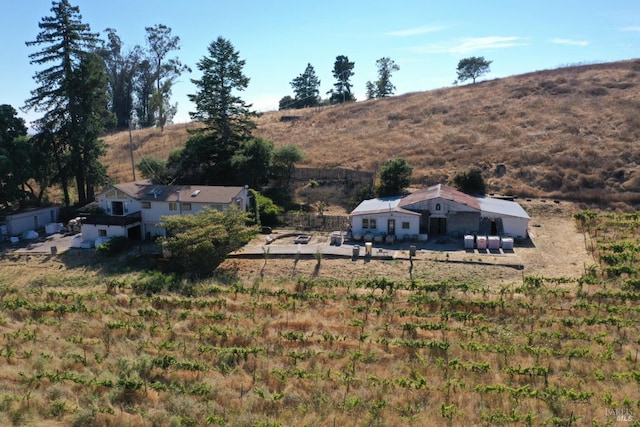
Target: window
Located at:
point(217, 206)
point(117, 208)
point(173, 206)
point(102, 233)
point(186, 206)
point(405, 225)
point(437, 206)
point(111, 194)
point(368, 223)
point(146, 205)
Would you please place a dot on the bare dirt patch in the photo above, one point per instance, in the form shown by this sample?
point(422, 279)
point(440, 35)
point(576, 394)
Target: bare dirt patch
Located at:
point(556, 249)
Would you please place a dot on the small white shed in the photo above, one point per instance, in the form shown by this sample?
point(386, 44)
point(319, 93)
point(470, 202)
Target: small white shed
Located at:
point(31, 219)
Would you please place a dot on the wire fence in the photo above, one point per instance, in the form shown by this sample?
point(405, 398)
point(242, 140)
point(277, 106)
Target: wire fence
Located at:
point(333, 174)
point(314, 222)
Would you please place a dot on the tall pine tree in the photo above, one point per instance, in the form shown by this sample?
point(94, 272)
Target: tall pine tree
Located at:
point(383, 87)
point(62, 96)
point(306, 88)
point(342, 72)
point(218, 106)
point(207, 156)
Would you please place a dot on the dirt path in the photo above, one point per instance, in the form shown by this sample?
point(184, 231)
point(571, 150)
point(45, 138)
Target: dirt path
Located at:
point(559, 248)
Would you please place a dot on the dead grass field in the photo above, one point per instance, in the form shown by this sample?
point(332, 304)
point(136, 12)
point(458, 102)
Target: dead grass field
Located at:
point(342, 342)
point(557, 250)
point(85, 340)
point(568, 133)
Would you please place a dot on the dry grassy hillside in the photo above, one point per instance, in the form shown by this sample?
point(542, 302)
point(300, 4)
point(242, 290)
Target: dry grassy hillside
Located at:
point(568, 133)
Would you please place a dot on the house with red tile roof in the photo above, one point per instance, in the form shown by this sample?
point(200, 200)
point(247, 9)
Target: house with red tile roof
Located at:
point(439, 210)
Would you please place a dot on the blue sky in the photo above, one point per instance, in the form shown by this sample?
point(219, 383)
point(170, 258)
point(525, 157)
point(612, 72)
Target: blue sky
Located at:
point(277, 39)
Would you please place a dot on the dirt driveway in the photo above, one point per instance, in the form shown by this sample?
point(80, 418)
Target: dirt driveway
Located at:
point(556, 249)
point(47, 244)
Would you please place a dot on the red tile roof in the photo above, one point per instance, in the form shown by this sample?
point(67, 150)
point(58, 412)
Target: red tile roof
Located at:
point(440, 191)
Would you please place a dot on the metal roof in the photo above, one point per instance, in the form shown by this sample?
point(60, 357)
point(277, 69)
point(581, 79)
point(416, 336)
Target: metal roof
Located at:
point(380, 205)
point(502, 207)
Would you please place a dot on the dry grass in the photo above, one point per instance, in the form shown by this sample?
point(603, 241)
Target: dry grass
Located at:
point(568, 133)
point(359, 345)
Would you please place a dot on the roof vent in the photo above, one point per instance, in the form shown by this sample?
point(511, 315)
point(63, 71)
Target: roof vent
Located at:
point(195, 193)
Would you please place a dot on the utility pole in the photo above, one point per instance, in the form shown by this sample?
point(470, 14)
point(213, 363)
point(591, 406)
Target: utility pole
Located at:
point(133, 165)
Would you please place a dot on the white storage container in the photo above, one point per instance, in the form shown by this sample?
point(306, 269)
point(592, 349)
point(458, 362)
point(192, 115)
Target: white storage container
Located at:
point(469, 242)
point(493, 242)
point(507, 243)
point(481, 242)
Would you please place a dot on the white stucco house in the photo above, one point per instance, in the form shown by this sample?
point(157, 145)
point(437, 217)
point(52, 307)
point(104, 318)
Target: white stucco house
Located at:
point(134, 209)
point(439, 210)
point(384, 216)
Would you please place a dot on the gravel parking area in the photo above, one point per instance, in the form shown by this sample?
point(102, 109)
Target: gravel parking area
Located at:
point(48, 244)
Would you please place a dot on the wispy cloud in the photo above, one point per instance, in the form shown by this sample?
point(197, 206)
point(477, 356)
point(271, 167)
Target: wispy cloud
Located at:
point(635, 28)
point(570, 42)
point(466, 45)
point(425, 29)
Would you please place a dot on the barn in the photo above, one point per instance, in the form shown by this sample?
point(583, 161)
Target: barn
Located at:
point(440, 210)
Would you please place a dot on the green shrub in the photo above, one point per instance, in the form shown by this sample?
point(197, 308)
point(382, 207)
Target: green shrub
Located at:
point(114, 246)
point(156, 282)
point(470, 181)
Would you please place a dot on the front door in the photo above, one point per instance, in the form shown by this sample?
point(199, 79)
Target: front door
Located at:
point(437, 226)
point(391, 226)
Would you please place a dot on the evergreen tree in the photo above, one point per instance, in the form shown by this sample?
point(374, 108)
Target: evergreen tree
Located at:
point(306, 88)
point(342, 71)
point(395, 176)
point(383, 87)
point(218, 106)
point(253, 162)
point(285, 159)
point(154, 168)
point(90, 115)
point(472, 68)
point(62, 92)
point(200, 242)
point(15, 157)
point(286, 103)
point(144, 88)
point(227, 119)
point(470, 181)
point(165, 71)
point(121, 68)
point(371, 90)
